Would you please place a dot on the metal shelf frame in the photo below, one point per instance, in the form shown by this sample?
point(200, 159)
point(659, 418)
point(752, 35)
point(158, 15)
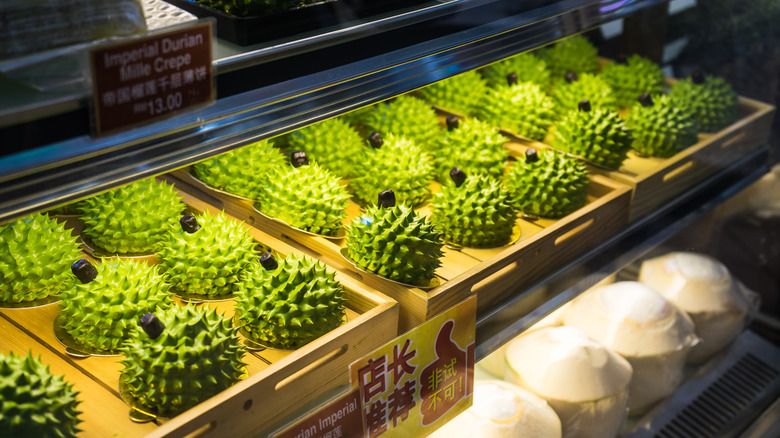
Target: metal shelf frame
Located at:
point(68, 170)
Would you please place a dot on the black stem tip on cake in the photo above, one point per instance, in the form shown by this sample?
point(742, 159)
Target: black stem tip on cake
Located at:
point(646, 100)
point(386, 199)
point(571, 76)
point(298, 158)
point(531, 156)
point(375, 140)
point(84, 271)
point(452, 122)
point(458, 176)
point(189, 224)
point(268, 261)
point(698, 77)
point(511, 79)
point(584, 105)
point(151, 325)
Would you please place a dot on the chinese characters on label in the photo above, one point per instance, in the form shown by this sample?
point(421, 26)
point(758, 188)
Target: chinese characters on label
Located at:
point(422, 379)
point(154, 76)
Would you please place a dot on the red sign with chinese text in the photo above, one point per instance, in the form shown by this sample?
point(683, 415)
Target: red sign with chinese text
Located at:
point(421, 380)
point(146, 79)
point(340, 418)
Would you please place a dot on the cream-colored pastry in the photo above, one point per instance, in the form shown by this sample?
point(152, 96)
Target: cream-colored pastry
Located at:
point(585, 382)
point(500, 410)
point(702, 287)
point(643, 327)
point(495, 362)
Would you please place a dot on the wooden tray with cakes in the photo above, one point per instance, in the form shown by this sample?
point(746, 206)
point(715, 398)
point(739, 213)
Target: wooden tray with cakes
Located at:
point(537, 247)
point(272, 386)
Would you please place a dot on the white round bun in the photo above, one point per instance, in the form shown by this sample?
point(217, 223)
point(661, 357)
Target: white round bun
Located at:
point(585, 382)
point(503, 410)
point(702, 287)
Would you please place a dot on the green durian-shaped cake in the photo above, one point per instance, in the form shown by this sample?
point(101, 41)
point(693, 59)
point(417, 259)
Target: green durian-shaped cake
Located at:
point(398, 164)
point(100, 314)
point(181, 357)
point(597, 135)
point(461, 93)
point(242, 171)
point(35, 257)
point(289, 304)
point(711, 101)
point(660, 127)
point(34, 402)
point(630, 80)
point(404, 116)
point(568, 94)
point(522, 108)
point(207, 258)
point(134, 219)
point(575, 54)
point(474, 146)
point(548, 184)
point(332, 143)
point(526, 67)
point(474, 211)
point(395, 242)
point(306, 197)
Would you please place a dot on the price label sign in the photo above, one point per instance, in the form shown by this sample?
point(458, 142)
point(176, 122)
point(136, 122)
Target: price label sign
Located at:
point(152, 77)
point(415, 384)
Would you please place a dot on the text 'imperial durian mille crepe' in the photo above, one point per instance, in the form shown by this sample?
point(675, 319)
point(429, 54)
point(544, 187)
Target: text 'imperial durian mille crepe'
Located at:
point(134, 219)
point(631, 78)
point(35, 257)
point(396, 163)
point(305, 196)
point(289, 304)
point(461, 93)
point(640, 325)
point(711, 100)
point(206, 255)
point(241, 172)
point(333, 144)
point(405, 116)
point(522, 108)
point(597, 135)
point(660, 127)
point(178, 358)
point(703, 288)
point(474, 211)
point(548, 183)
point(472, 145)
point(394, 242)
point(34, 402)
point(99, 314)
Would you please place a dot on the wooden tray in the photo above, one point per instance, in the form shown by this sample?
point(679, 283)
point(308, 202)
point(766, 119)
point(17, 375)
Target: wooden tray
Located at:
point(277, 380)
point(494, 274)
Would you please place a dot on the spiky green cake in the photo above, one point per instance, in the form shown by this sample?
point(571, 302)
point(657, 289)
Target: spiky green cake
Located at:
point(526, 66)
point(575, 54)
point(291, 305)
point(136, 218)
point(209, 260)
point(396, 243)
point(630, 80)
point(35, 257)
point(598, 135)
point(477, 213)
point(34, 402)
point(474, 146)
point(660, 127)
point(192, 356)
point(567, 94)
point(333, 144)
point(252, 8)
point(242, 171)
point(522, 108)
point(461, 93)
point(548, 184)
point(399, 164)
point(710, 99)
point(404, 116)
point(100, 314)
point(307, 197)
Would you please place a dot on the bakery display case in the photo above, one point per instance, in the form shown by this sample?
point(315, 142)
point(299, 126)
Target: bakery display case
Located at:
point(281, 70)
